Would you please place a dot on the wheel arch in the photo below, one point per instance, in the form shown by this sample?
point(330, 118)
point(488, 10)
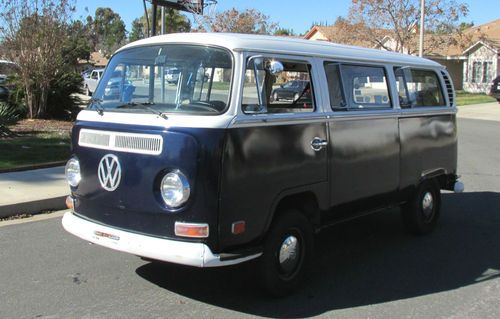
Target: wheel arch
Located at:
point(307, 201)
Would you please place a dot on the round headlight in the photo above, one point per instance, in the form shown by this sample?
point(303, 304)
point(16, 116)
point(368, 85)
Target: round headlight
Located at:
point(175, 189)
point(72, 171)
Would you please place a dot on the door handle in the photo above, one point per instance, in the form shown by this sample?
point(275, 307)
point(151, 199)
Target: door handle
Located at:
point(317, 144)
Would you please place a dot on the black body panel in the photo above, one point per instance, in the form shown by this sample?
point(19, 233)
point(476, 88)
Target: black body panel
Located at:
point(428, 144)
point(259, 164)
point(364, 159)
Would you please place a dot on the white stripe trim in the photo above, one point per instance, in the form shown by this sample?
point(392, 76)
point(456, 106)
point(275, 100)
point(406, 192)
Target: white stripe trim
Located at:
point(174, 120)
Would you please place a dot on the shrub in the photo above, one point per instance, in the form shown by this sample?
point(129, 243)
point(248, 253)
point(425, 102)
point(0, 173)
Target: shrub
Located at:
point(61, 103)
point(8, 115)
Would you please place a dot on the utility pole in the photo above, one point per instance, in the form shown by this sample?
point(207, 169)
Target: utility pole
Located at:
point(422, 15)
point(162, 20)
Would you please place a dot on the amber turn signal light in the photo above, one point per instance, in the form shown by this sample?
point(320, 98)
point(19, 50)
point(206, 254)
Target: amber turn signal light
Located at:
point(238, 227)
point(70, 202)
point(191, 230)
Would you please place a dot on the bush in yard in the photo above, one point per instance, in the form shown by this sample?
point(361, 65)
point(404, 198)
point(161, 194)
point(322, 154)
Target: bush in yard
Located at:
point(61, 103)
point(9, 114)
point(45, 45)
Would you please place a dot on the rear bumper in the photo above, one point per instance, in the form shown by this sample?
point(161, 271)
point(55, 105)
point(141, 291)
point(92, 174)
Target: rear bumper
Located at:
point(178, 252)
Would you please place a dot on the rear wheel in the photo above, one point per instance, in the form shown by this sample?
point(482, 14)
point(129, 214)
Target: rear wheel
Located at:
point(287, 253)
point(421, 213)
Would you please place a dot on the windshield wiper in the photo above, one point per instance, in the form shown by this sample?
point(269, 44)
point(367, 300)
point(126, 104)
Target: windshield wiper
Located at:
point(97, 105)
point(144, 106)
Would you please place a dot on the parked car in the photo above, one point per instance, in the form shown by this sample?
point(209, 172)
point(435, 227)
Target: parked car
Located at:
point(119, 88)
point(90, 83)
point(172, 75)
point(212, 178)
point(291, 90)
point(495, 89)
point(7, 69)
point(4, 93)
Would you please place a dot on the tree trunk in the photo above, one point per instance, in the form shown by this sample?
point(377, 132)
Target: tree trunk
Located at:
point(29, 101)
point(42, 103)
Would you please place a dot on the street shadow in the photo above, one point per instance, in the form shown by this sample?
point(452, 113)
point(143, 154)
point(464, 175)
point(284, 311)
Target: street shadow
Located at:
point(367, 261)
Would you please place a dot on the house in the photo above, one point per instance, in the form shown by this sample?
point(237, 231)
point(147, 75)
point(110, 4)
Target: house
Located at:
point(97, 60)
point(472, 58)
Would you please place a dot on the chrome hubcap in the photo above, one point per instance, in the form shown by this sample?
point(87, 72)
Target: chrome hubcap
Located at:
point(289, 254)
point(427, 204)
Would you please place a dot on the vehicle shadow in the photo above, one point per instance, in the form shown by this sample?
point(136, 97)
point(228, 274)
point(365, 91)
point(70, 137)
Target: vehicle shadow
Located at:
point(367, 261)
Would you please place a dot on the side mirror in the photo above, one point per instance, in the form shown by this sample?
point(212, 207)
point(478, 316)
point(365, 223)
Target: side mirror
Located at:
point(275, 67)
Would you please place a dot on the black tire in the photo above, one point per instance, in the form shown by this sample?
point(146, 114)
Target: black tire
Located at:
point(421, 213)
point(280, 278)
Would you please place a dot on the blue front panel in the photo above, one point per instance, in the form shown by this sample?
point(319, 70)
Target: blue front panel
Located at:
point(136, 205)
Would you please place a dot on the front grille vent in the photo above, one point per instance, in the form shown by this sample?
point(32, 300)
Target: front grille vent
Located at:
point(124, 142)
point(449, 88)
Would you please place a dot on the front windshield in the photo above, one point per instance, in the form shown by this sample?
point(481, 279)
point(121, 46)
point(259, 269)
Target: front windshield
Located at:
point(171, 78)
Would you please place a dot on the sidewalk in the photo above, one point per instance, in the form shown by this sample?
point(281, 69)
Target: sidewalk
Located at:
point(486, 111)
point(32, 191)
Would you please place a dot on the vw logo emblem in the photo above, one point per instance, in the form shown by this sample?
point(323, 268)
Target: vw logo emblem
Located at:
point(109, 172)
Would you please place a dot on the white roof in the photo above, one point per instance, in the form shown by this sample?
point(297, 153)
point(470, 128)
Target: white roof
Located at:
point(263, 43)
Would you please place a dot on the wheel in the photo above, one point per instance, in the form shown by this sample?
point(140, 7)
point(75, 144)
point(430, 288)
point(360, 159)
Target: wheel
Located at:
point(420, 214)
point(287, 253)
point(275, 97)
point(296, 96)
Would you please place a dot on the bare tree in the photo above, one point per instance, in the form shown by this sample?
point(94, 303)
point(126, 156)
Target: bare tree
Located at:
point(372, 18)
point(34, 34)
point(248, 21)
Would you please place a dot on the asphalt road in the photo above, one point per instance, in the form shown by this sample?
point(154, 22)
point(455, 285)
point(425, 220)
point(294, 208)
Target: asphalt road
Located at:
point(368, 268)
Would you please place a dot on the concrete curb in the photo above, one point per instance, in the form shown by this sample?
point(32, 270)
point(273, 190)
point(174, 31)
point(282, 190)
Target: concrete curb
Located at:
point(32, 167)
point(33, 207)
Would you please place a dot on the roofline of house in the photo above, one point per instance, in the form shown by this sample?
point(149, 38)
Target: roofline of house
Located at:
point(311, 32)
point(485, 43)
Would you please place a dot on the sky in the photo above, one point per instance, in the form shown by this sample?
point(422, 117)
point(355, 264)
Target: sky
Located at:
point(298, 15)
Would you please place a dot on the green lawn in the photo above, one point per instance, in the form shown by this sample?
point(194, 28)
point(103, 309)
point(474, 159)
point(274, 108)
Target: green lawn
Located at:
point(34, 149)
point(464, 98)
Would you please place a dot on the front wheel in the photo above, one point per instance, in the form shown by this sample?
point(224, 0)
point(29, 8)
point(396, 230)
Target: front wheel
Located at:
point(420, 214)
point(287, 253)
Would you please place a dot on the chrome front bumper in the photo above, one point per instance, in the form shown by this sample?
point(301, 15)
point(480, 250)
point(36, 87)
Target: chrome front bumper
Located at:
point(178, 252)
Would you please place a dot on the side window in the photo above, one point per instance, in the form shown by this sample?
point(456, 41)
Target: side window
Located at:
point(337, 101)
point(404, 101)
point(268, 91)
point(422, 88)
point(365, 86)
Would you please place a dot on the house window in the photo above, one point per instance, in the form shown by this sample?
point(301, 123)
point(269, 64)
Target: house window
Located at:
point(476, 72)
point(487, 71)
